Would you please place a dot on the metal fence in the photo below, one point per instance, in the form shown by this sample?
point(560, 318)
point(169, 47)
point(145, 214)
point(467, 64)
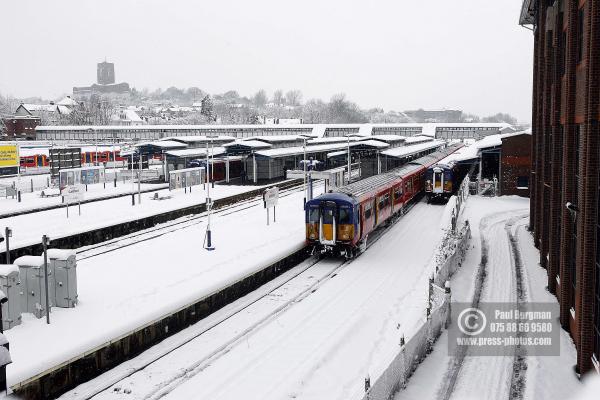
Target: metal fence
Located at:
point(449, 257)
point(411, 355)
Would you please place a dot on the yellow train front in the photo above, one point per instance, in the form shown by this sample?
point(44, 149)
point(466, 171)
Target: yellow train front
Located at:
point(332, 224)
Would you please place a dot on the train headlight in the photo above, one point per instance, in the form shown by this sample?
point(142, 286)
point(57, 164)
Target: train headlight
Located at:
point(346, 232)
point(312, 231)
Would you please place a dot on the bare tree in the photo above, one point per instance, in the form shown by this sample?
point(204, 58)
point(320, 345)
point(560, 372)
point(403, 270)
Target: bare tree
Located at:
point(314, 111)
point(278, 98)
point(260, 98)
point(343, 111)
point(293, 97)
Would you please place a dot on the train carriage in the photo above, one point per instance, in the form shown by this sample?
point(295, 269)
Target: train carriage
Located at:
point(340, 222)
point(440, 182)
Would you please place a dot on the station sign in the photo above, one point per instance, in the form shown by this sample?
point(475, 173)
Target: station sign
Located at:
point(270, 197)
point(73, 193)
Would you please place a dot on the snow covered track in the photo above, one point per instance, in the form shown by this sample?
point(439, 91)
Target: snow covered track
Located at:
point(27, 231)
point(295, 337)
point(169, 227)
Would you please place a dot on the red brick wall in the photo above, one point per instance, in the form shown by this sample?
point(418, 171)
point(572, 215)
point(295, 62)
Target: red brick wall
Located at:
point(515, 162)
point(567, 101)
point(19, 127)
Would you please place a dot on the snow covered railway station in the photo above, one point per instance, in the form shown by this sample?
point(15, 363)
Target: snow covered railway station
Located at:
point(128, 287)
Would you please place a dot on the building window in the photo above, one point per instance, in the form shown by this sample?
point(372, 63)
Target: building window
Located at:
point(523, 182)
point(580, 49)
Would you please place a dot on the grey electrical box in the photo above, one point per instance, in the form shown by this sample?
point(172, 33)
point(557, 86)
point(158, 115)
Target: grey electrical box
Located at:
point(64, 268)
point(33, 289)
point(10, 286)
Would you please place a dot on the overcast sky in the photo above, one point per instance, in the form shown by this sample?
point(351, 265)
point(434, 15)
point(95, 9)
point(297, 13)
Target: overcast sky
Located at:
point(396, 54)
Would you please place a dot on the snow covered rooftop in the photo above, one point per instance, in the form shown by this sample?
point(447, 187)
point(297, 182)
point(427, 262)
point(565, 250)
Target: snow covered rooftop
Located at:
point(7, 269)
point(191, 139)
point(196, 152)
point(67, 101)
point(250, 144)
point(418, 139)
point(297, 150)
point(472, 152)
point(275, 139)
point(30, 261)
point(165, 144)
point(389, 138)
point(399, 152)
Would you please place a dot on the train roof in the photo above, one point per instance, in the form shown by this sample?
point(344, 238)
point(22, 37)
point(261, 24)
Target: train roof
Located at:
point(334, 196)
point(377, 182)
point(368, 185)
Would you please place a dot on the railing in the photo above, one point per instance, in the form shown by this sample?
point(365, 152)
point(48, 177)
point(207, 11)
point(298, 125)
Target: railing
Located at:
point(411, 355)
point(449, 257)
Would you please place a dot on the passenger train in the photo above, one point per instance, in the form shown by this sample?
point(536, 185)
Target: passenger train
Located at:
point(35, 158)
point(340, 222)
point(440, 181)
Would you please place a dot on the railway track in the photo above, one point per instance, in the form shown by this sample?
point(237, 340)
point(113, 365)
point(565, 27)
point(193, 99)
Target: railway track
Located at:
point(169, 227)
point(320, 270)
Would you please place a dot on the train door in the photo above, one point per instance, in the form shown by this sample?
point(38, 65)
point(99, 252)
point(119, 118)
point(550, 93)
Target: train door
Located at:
point(39, 161)
point(328, 222)
point(438, 180)
point(375, 211)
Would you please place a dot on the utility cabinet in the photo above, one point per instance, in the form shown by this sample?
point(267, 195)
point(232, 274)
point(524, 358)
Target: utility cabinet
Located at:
point(33, 289)
point(10, 286)
point(64, 268)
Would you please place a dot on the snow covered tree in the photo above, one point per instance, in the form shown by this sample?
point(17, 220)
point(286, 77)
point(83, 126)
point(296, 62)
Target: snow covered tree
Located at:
point(293, 97)
point(278, 97)
point(207, 108)
point(342, 111)
point(501, 117)
point(260, 98)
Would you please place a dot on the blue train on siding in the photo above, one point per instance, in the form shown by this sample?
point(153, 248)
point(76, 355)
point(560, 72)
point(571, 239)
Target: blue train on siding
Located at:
point(440, 182)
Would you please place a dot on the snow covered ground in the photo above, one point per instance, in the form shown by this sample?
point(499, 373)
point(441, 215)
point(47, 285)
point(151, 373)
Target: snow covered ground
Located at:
point(34, 200)
point(490, 377)
point(320, 345)
point(29, 228)
point(126, 288)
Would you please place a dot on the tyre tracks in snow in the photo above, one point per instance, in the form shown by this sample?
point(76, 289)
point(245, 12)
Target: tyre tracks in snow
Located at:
point(497, 377)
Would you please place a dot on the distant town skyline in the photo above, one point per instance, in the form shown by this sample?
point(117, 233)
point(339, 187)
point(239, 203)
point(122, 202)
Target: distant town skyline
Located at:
point(382, 54)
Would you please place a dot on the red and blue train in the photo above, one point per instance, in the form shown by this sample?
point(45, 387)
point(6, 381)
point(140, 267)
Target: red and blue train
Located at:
point(440, 181)
point(339, 223)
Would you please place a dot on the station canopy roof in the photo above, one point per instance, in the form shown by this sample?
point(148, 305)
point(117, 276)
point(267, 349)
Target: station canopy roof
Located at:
point(276, 138)
point(389, 138)
point(247, 145)
point(163, 144)
point(321, 148)
point(195, 140)
point(198, 152)
point(406, 151)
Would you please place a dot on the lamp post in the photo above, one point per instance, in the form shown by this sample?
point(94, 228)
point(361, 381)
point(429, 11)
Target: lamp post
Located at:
point(7, 235)
point(304, 167)
point(93, 131)
point(349, 159)
point(208, 236)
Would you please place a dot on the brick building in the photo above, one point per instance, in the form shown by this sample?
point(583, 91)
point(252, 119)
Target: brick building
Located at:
point(515, 165)
point(21, 127)
point(565, 162)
